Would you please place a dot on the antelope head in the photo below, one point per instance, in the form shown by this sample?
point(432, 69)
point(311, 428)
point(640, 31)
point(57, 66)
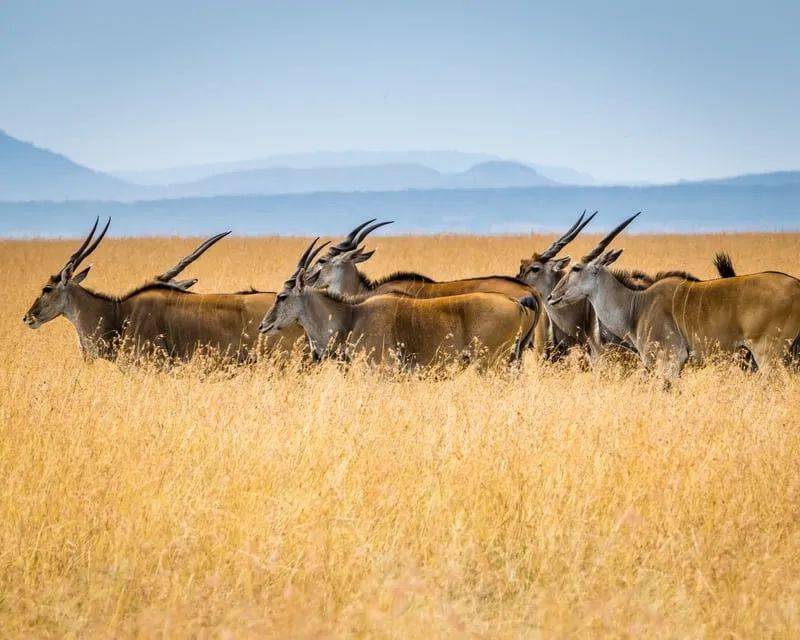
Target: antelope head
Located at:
point(54, 299)
point(337, 270)
point(582, 279)
point(286, 309)
point(543, 270)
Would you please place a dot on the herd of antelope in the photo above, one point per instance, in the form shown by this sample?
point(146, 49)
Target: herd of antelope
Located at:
point(329, 308)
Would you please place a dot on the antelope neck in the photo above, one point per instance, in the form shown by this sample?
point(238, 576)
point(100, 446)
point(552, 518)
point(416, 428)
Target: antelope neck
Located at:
point(95, 318)
point(614, 304)
point(326, 320)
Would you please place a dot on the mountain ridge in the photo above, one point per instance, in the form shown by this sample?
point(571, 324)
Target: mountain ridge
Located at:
point(29, 172)
point(34, 174)
point(770, 178)
point(444, 161)
point(389, 177)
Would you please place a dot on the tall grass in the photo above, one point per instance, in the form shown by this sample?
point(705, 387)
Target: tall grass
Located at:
point(322, 501)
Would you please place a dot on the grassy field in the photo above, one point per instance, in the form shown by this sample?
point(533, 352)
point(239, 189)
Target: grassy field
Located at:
point(551, 502)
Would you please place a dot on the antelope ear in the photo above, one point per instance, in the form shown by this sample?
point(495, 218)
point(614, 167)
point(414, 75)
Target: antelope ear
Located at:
point(311, 278)
point(356, 255)
point(298, 280)
point(560, 263)
point(362, 256)
point(185, 284)
point(80, 277)
point(610, 257)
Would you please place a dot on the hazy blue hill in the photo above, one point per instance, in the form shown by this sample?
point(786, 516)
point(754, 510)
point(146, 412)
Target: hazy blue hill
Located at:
point(490, 196)
point(285, 180)
point(30, 173)
point(774, 179)
point(497, 174)
point(441, 161)
point(385, 177)
point(686, 208)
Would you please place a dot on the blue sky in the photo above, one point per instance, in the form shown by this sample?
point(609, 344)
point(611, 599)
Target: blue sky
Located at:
point(622, 90)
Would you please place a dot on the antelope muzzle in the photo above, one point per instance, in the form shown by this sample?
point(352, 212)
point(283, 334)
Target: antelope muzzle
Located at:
point(555, 300)
point(31, 320)
point(266, 327)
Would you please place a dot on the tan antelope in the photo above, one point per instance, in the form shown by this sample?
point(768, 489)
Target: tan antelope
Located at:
point(576, 325)
point(160, 317)
point(338, 273)
point(675, 318)
point(398, 328)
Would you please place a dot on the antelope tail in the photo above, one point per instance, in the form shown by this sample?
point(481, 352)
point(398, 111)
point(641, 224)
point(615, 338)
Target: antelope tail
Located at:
point(530, 302)
point(526, 341)
point(724, 265)
point(793, 356)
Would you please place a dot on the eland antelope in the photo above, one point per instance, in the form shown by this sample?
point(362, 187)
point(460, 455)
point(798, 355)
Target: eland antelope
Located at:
point(338, 273)
point(675, 318)
point(577, 324)
point(490, 327)
point(160, 317)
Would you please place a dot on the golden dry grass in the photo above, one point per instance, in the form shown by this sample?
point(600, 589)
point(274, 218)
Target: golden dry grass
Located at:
point(547, 503)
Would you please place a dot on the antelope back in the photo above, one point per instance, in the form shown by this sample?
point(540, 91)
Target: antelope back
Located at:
point(425, 330)
point(493, 284)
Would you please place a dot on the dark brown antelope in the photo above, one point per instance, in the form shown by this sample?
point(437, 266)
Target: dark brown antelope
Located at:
point(398, 328)
point(676, 318)
point(158, 318)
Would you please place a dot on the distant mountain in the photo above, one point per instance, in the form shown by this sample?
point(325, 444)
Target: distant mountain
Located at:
point(497, 174)
point(774, 179)
point(564, 175)
point(30, 173)
point(386, 177)
point(284, 180)
point(442, 161)
point(488, 195)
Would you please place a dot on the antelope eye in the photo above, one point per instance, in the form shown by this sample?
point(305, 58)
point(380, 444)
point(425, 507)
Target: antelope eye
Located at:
point(47, 289)
point(576, 268)
point(283, 296)
point(536, 268)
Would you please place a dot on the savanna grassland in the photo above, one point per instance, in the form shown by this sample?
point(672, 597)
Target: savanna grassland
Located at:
point(326, 502)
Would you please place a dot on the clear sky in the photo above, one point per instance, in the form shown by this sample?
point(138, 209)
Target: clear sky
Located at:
point(627, 91)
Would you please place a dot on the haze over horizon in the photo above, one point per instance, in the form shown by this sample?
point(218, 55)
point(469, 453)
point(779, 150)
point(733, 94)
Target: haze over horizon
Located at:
point(625, 93)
